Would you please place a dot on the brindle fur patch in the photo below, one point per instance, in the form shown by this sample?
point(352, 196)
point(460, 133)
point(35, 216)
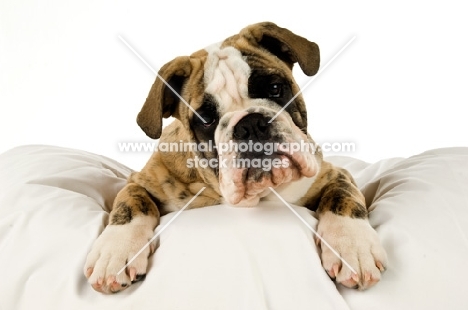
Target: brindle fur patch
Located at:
point(133, 200)
point(122, 214)
point(335, 190)
point(167, 178)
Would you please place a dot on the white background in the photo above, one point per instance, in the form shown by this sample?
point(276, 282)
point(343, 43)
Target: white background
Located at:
point(399, 89)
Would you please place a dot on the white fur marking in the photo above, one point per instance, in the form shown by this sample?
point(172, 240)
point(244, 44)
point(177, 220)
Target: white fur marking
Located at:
point(357, 243)
point(226, 76)
point(114, 247)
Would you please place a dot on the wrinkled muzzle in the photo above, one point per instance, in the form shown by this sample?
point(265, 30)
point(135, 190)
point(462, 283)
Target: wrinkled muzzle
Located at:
point(255, 154)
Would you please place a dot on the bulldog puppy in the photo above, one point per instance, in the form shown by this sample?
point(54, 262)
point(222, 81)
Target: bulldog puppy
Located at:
point(239, 100)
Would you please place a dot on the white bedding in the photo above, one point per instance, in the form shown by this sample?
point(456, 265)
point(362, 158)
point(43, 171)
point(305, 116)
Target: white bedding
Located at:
point(54, 203)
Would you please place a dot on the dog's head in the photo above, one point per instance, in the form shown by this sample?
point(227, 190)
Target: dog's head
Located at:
point(241, 95)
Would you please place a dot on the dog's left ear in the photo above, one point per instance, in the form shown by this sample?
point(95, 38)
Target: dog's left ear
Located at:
point(162, 100)
point(286, 45)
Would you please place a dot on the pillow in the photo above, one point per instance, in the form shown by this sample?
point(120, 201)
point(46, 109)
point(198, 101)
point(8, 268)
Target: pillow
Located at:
point(54, 203)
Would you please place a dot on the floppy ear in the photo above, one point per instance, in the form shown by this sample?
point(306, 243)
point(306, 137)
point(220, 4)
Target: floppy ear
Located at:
point(162, 101)
point(286, 45)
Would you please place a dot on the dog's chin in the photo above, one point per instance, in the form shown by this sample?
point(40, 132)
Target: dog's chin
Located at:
point(244, 187)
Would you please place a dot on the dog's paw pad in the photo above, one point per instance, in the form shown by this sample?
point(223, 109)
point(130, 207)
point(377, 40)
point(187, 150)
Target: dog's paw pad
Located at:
point(360, 260)
point(112, 266)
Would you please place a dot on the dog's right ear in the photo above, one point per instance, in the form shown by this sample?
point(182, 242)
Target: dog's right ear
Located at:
point(162, 101)
point(286, 45)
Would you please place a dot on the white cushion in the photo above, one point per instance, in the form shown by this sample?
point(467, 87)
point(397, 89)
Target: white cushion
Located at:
point(54, 202)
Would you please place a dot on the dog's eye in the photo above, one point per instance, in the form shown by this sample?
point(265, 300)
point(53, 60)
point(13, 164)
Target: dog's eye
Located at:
point(275, 90)
point(209, 120)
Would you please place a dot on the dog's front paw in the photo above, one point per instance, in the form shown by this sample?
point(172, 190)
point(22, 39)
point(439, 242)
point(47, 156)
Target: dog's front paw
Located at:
point(357, 243)
point(111, 266)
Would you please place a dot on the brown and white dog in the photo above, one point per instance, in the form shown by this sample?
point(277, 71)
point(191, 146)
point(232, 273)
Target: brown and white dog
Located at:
point(236, 88)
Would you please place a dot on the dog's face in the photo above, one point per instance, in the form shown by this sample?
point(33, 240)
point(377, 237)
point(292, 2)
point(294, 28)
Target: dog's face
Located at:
point(240, 95)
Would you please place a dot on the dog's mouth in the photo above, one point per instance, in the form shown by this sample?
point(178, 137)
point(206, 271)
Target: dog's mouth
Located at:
point(257, 154)
point(244, 185)
point(247, 177)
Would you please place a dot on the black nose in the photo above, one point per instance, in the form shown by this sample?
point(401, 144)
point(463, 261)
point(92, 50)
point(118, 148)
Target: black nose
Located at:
point(254, 126)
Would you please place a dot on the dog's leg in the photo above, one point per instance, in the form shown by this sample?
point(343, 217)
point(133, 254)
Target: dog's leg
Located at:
point(131, 225)
point(343, 224)
point(149, 194)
